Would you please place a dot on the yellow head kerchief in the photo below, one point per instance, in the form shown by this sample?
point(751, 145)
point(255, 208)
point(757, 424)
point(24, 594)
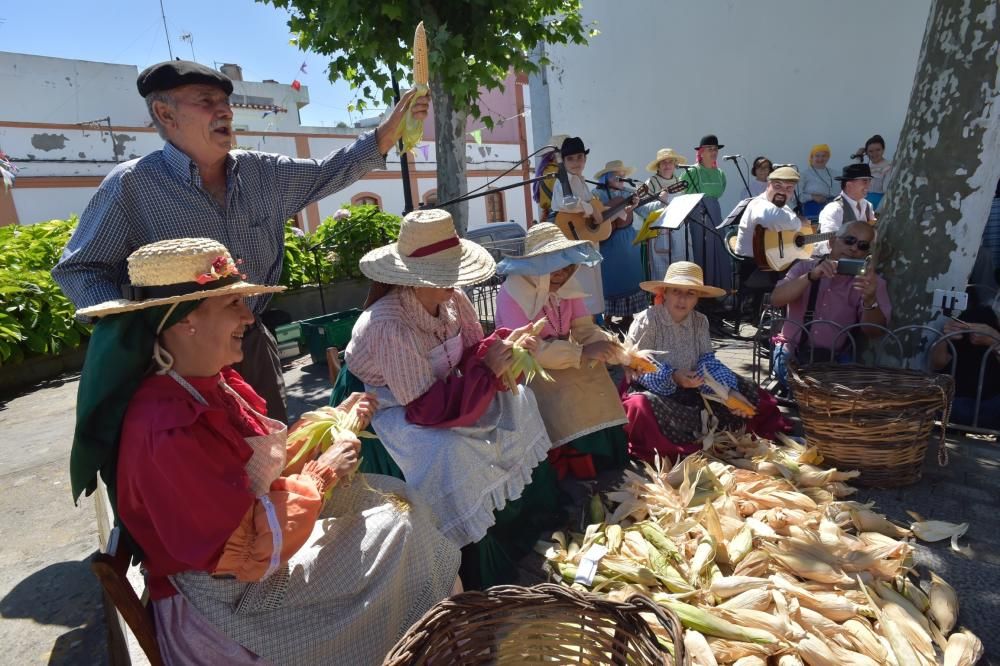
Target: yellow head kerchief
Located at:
point(819, 147)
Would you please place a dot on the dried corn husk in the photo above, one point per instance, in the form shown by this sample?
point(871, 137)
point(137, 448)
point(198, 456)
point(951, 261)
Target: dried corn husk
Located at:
point(943, 604)
point(964, 649)
point(698, 649)
point(735, 547)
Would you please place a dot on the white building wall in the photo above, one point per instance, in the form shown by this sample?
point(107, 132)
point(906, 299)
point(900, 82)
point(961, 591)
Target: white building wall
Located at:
point(768, 77)
point(41, 204)
point(57, 90)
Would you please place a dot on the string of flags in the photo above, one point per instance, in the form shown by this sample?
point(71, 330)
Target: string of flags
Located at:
point(8, 172)
point(477, 134)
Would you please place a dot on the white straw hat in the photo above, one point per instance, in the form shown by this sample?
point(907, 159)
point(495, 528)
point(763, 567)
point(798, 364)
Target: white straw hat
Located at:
point(665, 154)
point(429, 254)
point(176, 270)
point(683, 275)
point(546, 238)
point(615, 166)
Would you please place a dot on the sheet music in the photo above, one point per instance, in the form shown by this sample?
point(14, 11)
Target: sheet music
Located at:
point(677, 211)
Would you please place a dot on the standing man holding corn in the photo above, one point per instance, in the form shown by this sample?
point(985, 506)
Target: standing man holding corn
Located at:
point(197, 185)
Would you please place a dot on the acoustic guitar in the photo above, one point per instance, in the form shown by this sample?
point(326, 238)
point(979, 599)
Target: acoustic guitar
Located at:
point(597, 227)
point(777, 250)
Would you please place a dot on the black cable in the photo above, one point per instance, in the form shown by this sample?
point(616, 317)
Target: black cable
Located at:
point(487, 184)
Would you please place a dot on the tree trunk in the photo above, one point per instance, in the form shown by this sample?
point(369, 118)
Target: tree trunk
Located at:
point(946, 167)
point(449, 128)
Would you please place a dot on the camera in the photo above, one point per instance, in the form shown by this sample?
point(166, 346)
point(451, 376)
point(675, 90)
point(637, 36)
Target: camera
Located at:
point(850, 266)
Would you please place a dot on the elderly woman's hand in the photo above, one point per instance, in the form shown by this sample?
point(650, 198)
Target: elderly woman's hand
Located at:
point(499, 357)
point(365, 403)
point(342, 456)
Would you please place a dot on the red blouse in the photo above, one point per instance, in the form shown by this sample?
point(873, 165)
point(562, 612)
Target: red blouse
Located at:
point(462, 397)
point(183, 492)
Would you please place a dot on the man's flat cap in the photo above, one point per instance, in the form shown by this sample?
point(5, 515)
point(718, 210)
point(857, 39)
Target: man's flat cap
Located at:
point(175, 73)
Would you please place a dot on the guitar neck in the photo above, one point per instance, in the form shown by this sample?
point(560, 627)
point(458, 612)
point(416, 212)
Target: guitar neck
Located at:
point(617, 208)
point(808, 239)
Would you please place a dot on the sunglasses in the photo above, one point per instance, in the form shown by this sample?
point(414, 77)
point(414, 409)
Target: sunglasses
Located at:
point(851, 241)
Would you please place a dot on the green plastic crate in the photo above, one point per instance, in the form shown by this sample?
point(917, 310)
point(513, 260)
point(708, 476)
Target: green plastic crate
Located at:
point(288, 332)
point(332, 330)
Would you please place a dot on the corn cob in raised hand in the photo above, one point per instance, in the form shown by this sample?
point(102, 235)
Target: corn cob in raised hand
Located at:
point(421, 72)
point(524, 361)
point(411, 130)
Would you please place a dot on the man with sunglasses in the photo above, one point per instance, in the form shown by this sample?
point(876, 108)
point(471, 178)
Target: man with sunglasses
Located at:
point(815, 290)
point(849, 205)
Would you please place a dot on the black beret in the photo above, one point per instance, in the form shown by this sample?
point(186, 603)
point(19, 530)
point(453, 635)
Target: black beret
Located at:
point(175, 73)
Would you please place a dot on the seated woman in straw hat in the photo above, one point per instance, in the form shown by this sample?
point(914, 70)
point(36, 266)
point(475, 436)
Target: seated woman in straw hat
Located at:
point(580, 407)
point(665, 407)
point(246, 563)
point(462, 440)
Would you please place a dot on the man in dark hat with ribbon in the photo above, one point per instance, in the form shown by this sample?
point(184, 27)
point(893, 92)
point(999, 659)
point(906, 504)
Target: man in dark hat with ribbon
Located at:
point(197, 185)
point(849, 206)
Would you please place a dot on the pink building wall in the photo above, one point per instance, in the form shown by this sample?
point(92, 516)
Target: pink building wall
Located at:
point(499, 105)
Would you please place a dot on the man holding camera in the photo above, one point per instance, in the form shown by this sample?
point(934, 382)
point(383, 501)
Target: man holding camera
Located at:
point(849, 205)
point(842, 288)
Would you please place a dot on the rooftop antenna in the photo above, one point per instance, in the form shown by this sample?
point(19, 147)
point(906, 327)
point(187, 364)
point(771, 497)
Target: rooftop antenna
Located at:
point(189, 38)
point(164, 15)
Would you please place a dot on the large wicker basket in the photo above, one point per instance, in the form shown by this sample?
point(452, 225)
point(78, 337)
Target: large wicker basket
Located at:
point(875, 420)
point(546, 623)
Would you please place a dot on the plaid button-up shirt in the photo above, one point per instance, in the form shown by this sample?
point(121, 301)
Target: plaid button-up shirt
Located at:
point(160, 196)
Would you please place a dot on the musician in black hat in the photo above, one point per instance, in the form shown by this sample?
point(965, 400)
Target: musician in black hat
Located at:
point(571, 194)
point(197, 185)
point(849, 206)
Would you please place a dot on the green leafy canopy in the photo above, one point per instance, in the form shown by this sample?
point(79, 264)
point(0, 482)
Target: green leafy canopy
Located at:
point(472, 43)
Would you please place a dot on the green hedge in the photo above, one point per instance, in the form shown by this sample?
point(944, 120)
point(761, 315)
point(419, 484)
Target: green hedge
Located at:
point(36, 319)
point(338, 243)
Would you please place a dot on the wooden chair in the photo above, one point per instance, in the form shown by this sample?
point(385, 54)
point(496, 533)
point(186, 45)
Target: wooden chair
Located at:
point(111, 570)
point(333, 363)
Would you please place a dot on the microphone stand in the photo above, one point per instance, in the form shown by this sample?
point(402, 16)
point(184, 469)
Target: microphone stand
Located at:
point(476, 195)
point(742, 177)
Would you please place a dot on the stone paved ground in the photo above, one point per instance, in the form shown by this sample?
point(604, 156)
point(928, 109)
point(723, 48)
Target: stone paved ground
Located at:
point(50, 605)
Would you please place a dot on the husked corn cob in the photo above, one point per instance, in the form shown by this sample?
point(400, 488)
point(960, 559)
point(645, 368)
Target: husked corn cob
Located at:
point(421, 71)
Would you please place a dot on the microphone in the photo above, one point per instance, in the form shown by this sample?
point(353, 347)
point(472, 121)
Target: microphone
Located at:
point(630, 181)
point(688, 166)
point(731, 157)
point(858, 155)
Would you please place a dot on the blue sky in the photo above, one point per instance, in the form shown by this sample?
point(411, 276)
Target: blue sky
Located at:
point(131, 32)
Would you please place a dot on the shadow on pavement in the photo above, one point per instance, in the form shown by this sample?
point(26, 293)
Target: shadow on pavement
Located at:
point(65, 594)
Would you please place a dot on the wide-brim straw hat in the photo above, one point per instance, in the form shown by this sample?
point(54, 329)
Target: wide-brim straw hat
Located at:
point(684, 275)
point(614, 166)
point(665, 154)
point(546, 249)
point(547, 238)
point(178, 270)
point(429, 253)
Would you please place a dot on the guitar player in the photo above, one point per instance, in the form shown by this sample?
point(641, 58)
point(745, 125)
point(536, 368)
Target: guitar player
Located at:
point(571, 194)
point(771, 211)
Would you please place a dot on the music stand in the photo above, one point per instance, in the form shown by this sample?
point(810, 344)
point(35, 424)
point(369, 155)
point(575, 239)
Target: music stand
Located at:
point(678, 210)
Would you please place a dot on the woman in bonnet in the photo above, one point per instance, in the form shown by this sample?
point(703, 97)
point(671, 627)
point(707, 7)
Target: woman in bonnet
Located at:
point(580, 407)
point(465, 442)
point(246, 562)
